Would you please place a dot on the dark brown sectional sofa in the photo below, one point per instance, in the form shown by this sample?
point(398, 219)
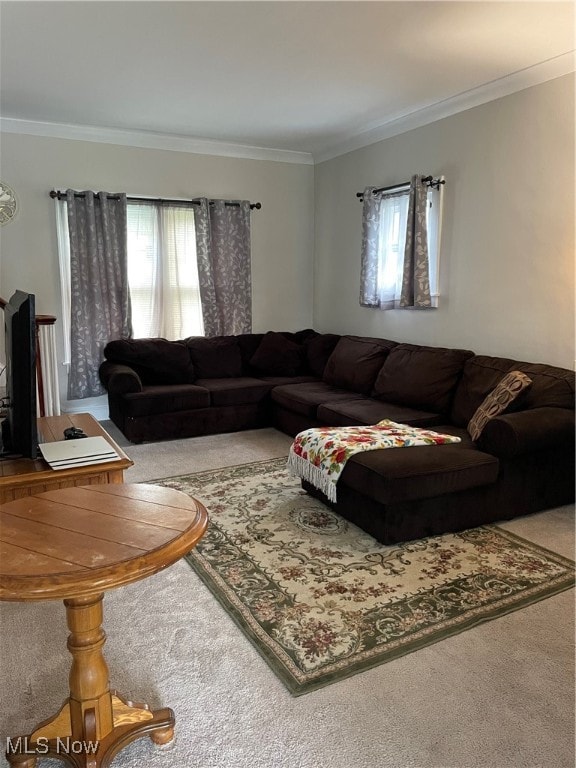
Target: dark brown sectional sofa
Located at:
point(522, 462)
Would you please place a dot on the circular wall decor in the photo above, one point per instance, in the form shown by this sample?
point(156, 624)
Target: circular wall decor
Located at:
point(8, 204)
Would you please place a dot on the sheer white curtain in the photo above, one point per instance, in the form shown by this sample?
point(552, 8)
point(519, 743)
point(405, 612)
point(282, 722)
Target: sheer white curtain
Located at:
point(391, 243)
point(434, 224)
point(64, 261)
point(163, 271)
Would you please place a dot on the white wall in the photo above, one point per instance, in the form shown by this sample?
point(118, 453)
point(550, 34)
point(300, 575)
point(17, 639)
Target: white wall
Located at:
point(507, 262)
point(507, 279)
point(282, 231)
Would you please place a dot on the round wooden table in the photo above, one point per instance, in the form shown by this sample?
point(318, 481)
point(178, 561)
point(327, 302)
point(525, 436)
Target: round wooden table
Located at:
point(74, 544)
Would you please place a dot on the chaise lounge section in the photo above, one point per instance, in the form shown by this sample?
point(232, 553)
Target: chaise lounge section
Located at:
point(522, 461)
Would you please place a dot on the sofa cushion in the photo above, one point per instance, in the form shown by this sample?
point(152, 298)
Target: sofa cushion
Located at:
point(355, 363)
point(235, 391)
point(551, 387)
point(348, 413)
point(420, 377)
point(277, 355)
point(156, 361)
point(318, 349)
point(277, 381)
point(215, 357)
point(419, 472)
point(300, 337)
point(305, 398)
point(496, 402)
point(248, 343)
point(165, 399)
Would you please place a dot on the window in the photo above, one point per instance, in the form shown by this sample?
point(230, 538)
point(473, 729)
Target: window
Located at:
point(391, 242)
point(385, 226)
point(162, 271)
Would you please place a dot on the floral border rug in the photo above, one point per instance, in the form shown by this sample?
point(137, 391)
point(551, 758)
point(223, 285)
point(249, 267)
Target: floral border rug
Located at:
point(322, 600)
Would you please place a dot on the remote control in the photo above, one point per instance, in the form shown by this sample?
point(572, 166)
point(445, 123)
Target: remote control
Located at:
point(73, 433)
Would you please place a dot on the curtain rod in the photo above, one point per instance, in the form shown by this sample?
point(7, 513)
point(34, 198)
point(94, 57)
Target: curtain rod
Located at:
point(430, 181)
point(59, 195)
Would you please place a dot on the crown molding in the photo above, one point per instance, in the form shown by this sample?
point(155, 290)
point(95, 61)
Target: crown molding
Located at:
point(503, 86)
point(151, 140)
point(370, 134)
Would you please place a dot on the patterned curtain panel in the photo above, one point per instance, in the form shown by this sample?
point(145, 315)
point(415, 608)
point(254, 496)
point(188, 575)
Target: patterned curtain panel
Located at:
point(224, 266)
point(100, 300)
point(370, 258)
point(416, 275)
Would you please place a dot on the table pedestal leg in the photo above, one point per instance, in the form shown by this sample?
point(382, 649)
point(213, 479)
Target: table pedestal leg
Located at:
point(94, 722)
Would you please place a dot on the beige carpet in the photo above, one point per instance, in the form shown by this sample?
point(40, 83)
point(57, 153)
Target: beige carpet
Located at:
point(322, 600)
point(497, 696)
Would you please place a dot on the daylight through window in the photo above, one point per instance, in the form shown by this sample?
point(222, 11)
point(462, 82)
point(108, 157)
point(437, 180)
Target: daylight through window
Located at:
point(392, 241)
point(385, 227)
point(162, 271)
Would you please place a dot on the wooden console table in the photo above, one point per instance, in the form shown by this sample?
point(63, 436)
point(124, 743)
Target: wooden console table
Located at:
point(27, 477)
point(73, 544)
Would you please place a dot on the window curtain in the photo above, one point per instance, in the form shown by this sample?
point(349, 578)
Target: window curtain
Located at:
point(416, 274)
point(383, 240)
point(162, 271)
point(395, 268)
point(99, 297)
point(369, 296)
point(224, 266)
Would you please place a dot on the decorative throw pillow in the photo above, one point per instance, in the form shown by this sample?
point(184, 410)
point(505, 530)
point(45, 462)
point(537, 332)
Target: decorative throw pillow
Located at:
point(277, 356)
point(497, 401)
point(318, 350)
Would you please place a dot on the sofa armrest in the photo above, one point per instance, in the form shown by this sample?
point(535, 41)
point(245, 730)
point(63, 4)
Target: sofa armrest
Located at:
point(119, 379)
point(513, 434)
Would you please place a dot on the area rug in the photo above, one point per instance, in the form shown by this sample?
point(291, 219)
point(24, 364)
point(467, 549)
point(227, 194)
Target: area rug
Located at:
point(321, 600)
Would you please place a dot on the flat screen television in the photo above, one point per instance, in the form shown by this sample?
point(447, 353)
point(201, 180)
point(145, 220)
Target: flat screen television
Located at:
point(19, 431)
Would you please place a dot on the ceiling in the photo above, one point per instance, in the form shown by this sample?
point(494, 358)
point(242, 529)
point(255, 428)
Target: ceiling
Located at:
point(302, 77)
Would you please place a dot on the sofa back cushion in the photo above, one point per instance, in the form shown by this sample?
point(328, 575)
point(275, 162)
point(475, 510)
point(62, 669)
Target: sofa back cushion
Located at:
point(248, 343)
point(278, 356)
point(318, 349)
point(156, 361)
point(551, 386)
point(421, 377)
point(355, 362)
point(215, 357)
point(300, 337)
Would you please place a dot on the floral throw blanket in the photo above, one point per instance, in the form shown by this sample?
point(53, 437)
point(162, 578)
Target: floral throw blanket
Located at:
point(319, 455)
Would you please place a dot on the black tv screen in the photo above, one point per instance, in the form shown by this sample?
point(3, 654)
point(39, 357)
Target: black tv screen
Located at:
point(19, 431)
